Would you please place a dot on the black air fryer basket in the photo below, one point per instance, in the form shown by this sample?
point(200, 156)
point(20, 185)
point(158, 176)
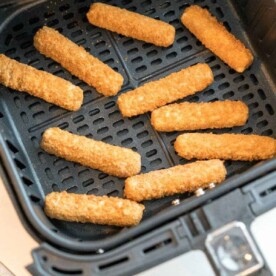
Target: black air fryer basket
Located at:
point(166, 230)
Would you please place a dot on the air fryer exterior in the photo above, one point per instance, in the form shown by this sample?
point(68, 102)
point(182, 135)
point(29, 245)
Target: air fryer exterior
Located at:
point(170, 231)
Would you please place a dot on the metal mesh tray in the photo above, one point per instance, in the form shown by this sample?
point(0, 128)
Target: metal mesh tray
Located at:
point(23, 118)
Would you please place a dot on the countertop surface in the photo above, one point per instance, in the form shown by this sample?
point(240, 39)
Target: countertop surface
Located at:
point(15, 242)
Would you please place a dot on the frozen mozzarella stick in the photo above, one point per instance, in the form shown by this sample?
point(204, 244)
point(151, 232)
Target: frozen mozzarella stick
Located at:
point(78, 61)
point(216, 38)
point(93, 209)
point(192, 116)
point(178, 179)
point(176, 86)
point(41, 84)
point(113, 160)
point(131, 24)
point(225, 146)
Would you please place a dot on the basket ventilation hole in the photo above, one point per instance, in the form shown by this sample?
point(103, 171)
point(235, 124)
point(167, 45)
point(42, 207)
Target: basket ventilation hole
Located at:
point(254, 79)
point(209, 92)
point(269, 109)
point(227, 26)
point(169, 14)
point(261, 94)
point(127, 141)
point(219, 12)
point(146, 3)
point(157, 246)
point(102, 175)
point(109, 184)
point(8, 39)
point(63, 125)
point(53, 23)
point(82, 129)
point(27, 181)
point(151, 153)
point(34, 199)
point(88, 182)
point(12, 147)
point(268, 191)
point(267, 132)
point(78, 119)
point(109, 105)
point(49, 14)
point(94, 112)
point(156, 162)
point(126, 2)
point(142, 134)
point(150, 11)
point(183, 7)
point(62, 271)
point(19, 164)
point(210, 59)
point(33, 20)
point(107, 139)
point(93, 192)
point(141, 69)
point(132, 9)
point(113, 193)
point(114, 263)
point(55, 188)
point(72, 189)
point(118, 123)
point(131, 51)
point(18, 27)
point(64, 7)
point(247, 130)
point(165, 5)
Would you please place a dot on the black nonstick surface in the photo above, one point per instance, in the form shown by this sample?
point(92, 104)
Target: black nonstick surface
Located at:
point(23, 118)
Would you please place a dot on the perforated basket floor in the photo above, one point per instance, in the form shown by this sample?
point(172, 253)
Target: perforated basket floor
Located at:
point(24, 118)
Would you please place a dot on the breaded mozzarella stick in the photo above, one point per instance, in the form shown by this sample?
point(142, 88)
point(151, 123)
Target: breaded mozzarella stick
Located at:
point(113, 160)
point(178, 179)
point(41, 84)
point(225, 146)
point(93, 209)
point(216, 38)
point(192, 116)
point(131, 24)
point(176, 86)
point(78, 61)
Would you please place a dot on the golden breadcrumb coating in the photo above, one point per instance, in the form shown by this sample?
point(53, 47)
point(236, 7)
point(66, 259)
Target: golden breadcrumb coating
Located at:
point(216, 38)
point(113, 160)
point(78, 61)
point(131, 24)
point(178, 179)
point(225, 146)
point(176, 86)
point(41, 84)
point(93, 209)
point(192, 116)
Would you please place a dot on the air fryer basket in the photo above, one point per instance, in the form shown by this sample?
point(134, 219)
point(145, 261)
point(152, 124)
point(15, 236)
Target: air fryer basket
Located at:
point(23, 118)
